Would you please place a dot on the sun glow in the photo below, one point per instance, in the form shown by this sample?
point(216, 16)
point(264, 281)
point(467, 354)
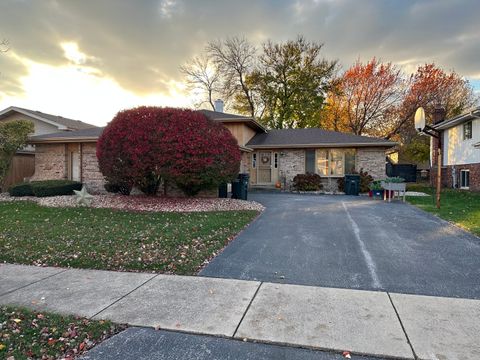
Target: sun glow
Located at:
point(82, 92)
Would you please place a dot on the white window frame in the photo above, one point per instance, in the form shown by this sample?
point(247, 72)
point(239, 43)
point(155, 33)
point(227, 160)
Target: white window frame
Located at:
point(275, 160)
point(254, 160)
point(329, 161)
point(462, 171)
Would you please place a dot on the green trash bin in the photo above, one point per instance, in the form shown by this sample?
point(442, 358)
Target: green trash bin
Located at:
point(244, 179)
point(240, 187)
point(236, 188)
point(352, 184)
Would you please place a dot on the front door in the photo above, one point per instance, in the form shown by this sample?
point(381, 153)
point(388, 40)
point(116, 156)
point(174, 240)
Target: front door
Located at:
point(264, 168)
point(75, 166)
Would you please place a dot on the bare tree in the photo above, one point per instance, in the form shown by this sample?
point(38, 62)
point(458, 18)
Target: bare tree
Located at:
point(201, 74)
point(235, 59)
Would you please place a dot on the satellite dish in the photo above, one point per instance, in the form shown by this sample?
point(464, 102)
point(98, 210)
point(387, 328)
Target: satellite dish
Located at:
point(420, 119)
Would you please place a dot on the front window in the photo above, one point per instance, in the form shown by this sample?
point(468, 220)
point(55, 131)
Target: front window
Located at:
point(464, 179)
point(335, 162)
point(254, 160)
point(275, 162)
point(467, 131)
point(322, 162)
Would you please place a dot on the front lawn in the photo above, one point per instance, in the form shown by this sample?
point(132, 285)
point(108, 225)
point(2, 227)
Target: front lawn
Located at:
point(459, 207)
point(26, 334)
point(108, 239)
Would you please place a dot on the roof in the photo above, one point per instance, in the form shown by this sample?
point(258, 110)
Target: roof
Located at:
point(85, 135)
point(312, 137)
point(59, 121)
point(226, 118)
point(457, 120)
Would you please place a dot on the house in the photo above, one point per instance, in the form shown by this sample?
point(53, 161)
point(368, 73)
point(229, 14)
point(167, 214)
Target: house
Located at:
point(460, 145)
point(23, 164)
point(271, 157)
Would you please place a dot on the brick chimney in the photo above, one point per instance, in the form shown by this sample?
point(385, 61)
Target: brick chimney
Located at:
point(438, 114)
point(219, 105)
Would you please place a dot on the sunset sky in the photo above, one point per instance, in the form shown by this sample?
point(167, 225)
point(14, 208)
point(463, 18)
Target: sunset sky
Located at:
point(88, 59)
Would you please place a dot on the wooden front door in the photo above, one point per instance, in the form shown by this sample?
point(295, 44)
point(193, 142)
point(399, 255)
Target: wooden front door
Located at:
point(264, 168)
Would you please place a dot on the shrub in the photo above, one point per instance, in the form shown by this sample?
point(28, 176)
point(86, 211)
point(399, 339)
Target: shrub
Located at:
point(365, 181)
point(307, 182)
point(23, 189)
point(45, 188)
point(147, 145)
point(124, 189)
point(55, 187)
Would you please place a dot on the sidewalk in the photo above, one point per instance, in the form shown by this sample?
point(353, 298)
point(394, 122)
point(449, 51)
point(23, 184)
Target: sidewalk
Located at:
point(363, 322)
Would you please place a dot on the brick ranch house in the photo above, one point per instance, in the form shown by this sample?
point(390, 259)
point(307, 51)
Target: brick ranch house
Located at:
point(269, 156)
point(23, 164)
point(460, 141)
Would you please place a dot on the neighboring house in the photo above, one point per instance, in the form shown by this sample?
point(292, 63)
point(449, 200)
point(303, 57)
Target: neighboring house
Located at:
point(23, 163)
point(460, 140)
point(269, 156)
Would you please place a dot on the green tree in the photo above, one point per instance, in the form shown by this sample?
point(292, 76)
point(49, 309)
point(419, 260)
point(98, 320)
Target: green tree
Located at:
point(13, 137)
point(292, 80)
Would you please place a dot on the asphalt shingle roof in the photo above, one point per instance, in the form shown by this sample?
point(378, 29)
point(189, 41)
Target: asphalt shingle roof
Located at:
point(94, 132)
point(312, 136)
point(69, 123)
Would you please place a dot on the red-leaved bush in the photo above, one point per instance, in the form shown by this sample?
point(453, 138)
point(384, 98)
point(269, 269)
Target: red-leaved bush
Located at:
point(147, 145)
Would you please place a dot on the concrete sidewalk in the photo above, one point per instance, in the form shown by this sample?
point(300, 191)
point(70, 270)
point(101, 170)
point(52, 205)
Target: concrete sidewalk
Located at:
point(363, 322)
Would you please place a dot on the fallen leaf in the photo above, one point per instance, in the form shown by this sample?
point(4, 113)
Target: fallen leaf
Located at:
point(17, 320)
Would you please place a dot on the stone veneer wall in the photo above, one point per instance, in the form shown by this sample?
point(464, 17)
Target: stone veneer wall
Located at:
point(50, 162)
point(373, 161)
point(91, 175)
point(291, 163)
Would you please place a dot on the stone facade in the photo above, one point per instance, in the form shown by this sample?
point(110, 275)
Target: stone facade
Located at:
point(371, 160)
point(91, 175)
point(291, 163)
point(50, 162)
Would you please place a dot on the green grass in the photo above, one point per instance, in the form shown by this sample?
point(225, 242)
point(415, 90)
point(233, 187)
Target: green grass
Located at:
point(90, 238)
point(26, 334)
point(457, 206)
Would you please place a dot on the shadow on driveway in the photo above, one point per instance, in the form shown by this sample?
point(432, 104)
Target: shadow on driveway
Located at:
point(352, 242)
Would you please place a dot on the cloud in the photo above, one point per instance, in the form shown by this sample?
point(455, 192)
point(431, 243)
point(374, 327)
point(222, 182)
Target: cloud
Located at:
point(139, 45)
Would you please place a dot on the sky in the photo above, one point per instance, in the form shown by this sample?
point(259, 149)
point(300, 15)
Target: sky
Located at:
point(89, 59)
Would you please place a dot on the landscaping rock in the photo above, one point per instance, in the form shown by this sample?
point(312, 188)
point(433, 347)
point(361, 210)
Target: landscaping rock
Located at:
point(146, 203)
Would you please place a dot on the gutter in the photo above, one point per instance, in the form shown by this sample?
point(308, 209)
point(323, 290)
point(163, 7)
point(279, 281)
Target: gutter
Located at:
point(474, 114)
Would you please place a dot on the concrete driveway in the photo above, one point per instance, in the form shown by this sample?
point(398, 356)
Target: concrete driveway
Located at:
point(352, 242)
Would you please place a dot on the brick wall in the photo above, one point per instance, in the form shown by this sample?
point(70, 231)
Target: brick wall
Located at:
point(50, 162)
point(371, 160)
point(91, 175)
point(447, 178)
point(291, 163)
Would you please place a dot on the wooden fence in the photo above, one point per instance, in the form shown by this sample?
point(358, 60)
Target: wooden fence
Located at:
point(23, 166)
